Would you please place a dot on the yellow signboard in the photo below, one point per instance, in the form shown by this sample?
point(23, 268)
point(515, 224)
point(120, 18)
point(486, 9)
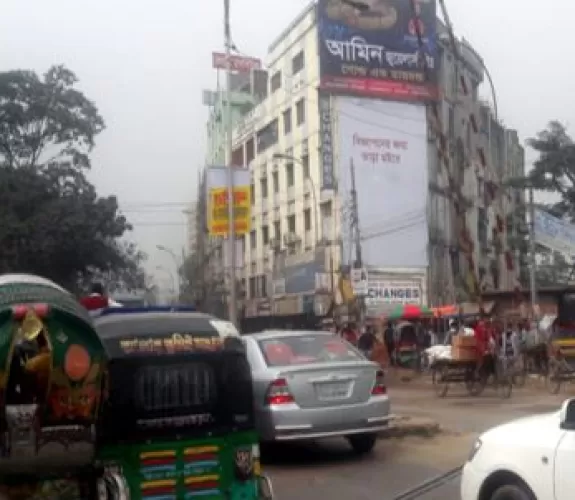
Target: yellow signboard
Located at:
point(218, 211)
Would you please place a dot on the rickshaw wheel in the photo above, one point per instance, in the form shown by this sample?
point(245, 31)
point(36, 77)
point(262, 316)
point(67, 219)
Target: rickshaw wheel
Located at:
point(519, 376)
point(474, 383)
point(553, 381)
point(505, 387)
point(440, 381)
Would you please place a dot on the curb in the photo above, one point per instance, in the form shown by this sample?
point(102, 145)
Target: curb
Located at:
point(405, 426)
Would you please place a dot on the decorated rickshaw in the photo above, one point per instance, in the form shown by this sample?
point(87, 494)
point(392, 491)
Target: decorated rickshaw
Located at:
point(51, 379)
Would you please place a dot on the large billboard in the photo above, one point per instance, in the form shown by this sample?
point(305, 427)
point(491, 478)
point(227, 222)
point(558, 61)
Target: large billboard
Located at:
point(385, 144)
point(217, 201)
point(377, 50)
point(553, 233)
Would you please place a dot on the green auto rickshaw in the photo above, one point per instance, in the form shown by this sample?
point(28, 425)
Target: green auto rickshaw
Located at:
point(178, 421)
point(52, 366)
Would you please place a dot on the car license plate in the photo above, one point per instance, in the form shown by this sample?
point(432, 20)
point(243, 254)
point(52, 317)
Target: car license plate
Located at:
point(334, 391)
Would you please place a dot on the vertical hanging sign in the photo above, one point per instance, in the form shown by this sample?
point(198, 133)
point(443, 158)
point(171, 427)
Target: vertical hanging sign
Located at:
point(326, 142)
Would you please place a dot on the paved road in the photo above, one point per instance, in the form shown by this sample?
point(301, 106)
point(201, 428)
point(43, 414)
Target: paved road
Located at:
point(320, 471)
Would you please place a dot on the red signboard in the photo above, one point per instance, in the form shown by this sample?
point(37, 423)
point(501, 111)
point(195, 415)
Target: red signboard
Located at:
point(237, 63)
point(380, 88)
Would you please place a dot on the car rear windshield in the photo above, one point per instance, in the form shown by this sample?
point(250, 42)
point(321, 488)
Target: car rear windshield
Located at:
point(306, 349)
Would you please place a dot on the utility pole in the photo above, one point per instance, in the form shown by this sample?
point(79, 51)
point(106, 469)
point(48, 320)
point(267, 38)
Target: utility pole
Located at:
point(532, 259)
point(232, 303)
point(358, 254)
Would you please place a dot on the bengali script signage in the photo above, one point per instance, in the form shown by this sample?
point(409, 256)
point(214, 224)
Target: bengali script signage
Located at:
point(172, 344)
point(218, 211)
point(378, 52)
point(218, 217)
point(240, 64)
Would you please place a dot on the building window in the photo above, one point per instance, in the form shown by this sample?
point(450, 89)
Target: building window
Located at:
point(250, 151)
point(291, 224)
point(267, 136)
point(253, 193)
point(253, 239)
point(300, 111)
point(290, 180)
point(307, 219)
point(287, 121)
point(305, 165)
point(252, 287)
point(297, 63)
point(276, 81)
point(277, 230)
point(276, 182)
point(265, 235)
point(264, 187)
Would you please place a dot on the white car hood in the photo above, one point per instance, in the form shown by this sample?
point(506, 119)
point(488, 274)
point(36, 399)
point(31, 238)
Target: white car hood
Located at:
point(537, 427)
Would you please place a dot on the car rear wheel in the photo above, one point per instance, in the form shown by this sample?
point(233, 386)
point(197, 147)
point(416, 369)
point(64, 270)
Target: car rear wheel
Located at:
point(512, 492)
point(362, 443)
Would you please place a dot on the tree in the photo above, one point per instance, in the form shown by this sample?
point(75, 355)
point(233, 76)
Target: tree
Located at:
point(553, 172)
point(52, 221)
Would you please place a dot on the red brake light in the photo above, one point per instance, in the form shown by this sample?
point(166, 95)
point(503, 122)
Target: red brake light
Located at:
point(20, 310)
point(278, 393)
point(379, 388)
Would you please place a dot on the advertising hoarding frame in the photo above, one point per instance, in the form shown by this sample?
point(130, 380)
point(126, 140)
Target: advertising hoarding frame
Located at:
point(217, 212)
point(390, 156)
point(241, 64)
point(553, 233)
point(378, 53)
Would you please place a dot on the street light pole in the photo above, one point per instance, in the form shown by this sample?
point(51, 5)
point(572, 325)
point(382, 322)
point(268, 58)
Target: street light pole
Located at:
point(532, 257)
point(170, 274)
point(308, 178)
point(232, 303)
point(170, 252)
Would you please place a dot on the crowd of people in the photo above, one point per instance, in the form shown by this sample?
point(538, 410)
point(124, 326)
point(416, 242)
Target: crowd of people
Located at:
point(492, 337)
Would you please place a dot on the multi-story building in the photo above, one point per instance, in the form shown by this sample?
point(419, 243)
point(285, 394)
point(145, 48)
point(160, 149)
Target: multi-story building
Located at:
point(303, 218)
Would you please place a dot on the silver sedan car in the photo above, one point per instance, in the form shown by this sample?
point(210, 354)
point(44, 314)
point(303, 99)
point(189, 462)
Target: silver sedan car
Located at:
point(311, 385)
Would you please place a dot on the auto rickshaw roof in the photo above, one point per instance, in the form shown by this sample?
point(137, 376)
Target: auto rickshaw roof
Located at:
point(141, 332)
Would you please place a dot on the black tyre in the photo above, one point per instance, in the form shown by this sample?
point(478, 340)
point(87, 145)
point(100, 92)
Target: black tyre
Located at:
point(362, 444)
point(440, 378)
point(512, 492)
point(553, 382)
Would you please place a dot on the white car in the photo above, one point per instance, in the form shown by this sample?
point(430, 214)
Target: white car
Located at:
point(527, 459)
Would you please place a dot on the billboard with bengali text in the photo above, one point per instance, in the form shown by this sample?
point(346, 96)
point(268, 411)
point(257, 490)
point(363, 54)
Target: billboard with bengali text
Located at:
point(387, 49)
point(218, 220)
point(553, 233)
point(385, 142)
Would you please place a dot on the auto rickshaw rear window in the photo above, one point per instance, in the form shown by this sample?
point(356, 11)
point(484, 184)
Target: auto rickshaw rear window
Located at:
point(172, 387)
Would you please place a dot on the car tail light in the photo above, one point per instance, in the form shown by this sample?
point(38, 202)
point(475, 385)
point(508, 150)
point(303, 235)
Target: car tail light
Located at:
point(379, 386)
point(20, 310)
point(278, 393)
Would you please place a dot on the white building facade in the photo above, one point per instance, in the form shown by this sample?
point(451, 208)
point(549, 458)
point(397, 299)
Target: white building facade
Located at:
point(301, 235)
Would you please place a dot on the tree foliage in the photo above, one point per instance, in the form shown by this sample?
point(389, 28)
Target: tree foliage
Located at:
point(52, 221)
point(554, 173)
point(554, 170)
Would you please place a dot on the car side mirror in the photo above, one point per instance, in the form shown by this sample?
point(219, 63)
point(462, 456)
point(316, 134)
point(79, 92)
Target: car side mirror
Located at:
point(265, 489)
point(567, 415)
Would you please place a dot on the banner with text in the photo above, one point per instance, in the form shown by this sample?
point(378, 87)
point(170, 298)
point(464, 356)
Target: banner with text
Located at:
point(326, 141)
point(385, 144)
point(379, 51)
point(217, 201)
point(553, 233)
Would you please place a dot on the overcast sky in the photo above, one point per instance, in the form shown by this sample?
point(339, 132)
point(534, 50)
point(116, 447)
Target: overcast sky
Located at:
point(146, 62)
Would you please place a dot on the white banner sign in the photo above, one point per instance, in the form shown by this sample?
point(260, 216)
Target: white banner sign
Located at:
point(554, 233)
point(359, 281)
point(386, 143)
point(384, 293)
